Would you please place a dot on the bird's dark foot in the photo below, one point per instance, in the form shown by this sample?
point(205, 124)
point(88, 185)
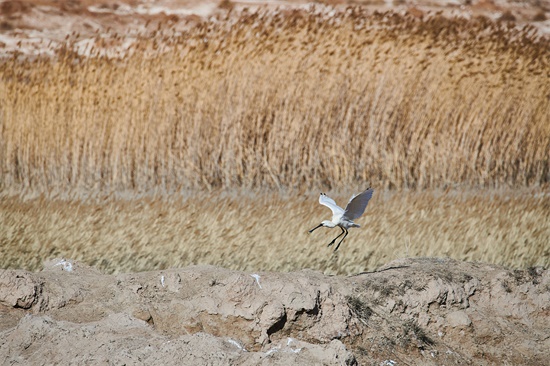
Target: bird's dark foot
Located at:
point(332, 242)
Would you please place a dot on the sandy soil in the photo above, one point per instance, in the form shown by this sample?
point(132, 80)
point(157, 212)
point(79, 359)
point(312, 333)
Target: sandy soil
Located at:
point(411, 311)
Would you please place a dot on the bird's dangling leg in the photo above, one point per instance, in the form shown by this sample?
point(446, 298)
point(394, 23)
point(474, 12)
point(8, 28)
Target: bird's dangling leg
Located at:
point(338, 246)
point(334, 240)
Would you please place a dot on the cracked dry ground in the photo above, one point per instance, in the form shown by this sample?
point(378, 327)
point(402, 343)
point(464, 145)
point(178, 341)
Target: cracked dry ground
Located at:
point(411, 311)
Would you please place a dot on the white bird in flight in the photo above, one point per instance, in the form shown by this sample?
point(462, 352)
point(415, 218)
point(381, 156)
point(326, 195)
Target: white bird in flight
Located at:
point(344, 218)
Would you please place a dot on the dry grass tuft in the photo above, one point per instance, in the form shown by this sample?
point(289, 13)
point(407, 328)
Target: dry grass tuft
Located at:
point(293, 100)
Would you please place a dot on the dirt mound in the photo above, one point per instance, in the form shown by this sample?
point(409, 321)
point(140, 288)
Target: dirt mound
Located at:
point(413, 311)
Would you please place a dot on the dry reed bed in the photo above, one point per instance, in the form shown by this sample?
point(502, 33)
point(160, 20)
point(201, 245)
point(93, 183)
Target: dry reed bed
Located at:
point(266, 232)
point(293, 100)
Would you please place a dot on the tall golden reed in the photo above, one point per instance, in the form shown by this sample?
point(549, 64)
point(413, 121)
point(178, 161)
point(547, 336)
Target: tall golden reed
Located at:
point(292, 100)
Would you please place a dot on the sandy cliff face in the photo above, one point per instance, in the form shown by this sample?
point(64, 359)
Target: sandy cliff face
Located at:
point(412, 311)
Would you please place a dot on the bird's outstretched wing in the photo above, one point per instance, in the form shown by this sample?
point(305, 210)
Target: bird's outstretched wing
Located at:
point(357, 204)
point(329, 202)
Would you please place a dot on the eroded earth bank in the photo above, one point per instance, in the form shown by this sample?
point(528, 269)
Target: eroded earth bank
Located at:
point(410, 311)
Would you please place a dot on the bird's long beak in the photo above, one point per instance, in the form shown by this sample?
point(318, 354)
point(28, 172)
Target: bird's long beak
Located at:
point(316, 227)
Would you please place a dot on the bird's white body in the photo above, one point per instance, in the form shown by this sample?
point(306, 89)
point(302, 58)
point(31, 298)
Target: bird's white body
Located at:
point(344, 217)
point(338, 220)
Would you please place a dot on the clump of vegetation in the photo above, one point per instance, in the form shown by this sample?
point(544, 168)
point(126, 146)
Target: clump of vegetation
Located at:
point(530, 274)
point(506, 286)
point(359, 308)
point(534, 272)
point(412, 329)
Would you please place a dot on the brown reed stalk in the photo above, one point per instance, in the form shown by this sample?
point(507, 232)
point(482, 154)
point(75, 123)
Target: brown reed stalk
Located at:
point(293, 101)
